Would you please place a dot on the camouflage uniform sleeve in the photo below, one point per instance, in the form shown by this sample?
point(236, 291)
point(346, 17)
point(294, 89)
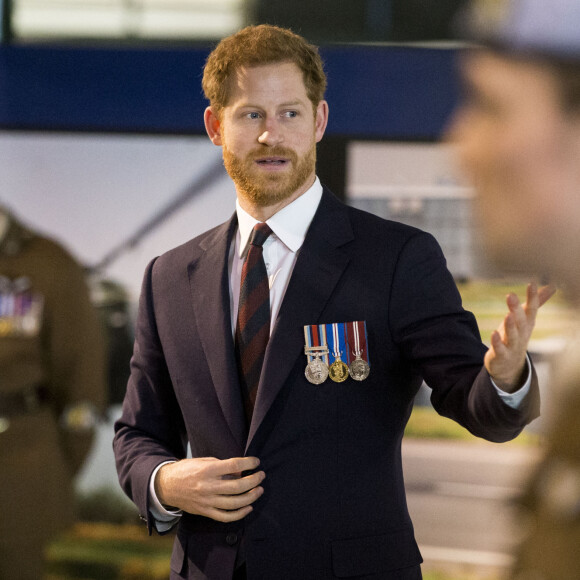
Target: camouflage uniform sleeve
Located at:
point(551, 506)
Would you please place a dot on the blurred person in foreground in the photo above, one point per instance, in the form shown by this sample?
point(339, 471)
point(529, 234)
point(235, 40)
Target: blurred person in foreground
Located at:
point(296, 461)
point(518, 131)
point(51, 388)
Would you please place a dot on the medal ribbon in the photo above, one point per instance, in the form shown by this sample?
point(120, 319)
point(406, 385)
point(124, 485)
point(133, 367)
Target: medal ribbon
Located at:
point(346, 338)
point(337, 331)
point(357, 339)
point(315, 336)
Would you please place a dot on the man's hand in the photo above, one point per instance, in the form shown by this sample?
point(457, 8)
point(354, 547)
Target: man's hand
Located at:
point(505, 360)
point(211, 487)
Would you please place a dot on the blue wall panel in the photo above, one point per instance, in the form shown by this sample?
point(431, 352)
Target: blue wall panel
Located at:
point(375, 92)
point(390, 92)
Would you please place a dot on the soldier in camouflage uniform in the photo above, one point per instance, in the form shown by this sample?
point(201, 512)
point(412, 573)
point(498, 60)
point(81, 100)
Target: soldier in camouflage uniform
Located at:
point(51, 389)
point(518, 131)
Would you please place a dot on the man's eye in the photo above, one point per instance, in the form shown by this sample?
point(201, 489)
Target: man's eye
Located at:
point(253, 115)
point(291, 114)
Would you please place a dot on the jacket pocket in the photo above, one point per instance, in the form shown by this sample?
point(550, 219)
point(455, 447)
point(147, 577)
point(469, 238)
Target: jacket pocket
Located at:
point(374, 554)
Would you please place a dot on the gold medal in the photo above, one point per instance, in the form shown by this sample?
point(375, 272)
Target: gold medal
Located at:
point(338, 371)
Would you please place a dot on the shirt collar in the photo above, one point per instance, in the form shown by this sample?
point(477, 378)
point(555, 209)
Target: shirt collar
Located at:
point(289, 225)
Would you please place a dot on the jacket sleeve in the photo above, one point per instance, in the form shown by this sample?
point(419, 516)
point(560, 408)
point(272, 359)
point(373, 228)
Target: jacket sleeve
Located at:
point(442, 340)
point(150, 430)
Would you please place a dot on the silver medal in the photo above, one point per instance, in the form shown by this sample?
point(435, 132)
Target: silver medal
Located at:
point(316, 371)
point(359, 369)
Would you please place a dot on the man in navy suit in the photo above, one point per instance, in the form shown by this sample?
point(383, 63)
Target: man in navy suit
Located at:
point(308, 484)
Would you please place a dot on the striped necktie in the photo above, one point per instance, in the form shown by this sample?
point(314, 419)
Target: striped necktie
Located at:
point(253, 327)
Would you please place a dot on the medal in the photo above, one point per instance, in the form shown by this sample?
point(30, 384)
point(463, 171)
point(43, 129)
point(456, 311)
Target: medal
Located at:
point(359, 368)
point(326, 347)
point(20, 310)
point(338, 371)
point(316, 371)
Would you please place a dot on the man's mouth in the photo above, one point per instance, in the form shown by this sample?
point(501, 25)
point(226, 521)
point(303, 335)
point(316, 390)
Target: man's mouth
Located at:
point(272, 161)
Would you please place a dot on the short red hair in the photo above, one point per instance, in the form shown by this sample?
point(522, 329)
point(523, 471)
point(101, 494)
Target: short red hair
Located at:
point(260, 45)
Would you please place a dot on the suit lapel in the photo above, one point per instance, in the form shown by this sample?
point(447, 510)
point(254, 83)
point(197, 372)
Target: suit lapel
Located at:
point(319, 266)
point(209, 285)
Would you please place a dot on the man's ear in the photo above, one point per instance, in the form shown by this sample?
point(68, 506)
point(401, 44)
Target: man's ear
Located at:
point(321, 120)
point(212, 126)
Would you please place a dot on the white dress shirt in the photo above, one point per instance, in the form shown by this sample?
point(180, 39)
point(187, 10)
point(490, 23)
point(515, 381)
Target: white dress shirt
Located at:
point(289, 227)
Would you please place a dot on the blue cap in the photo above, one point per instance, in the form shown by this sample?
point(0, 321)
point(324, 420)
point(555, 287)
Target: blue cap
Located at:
point(543, 27)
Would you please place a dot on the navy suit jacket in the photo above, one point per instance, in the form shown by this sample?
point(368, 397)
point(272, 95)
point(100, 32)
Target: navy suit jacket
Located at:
point(334, 501)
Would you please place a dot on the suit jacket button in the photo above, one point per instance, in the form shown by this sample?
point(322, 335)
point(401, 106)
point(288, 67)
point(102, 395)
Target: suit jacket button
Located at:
point(231, 539)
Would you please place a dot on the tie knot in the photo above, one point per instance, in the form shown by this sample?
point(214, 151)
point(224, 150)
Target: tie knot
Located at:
point(260, 234)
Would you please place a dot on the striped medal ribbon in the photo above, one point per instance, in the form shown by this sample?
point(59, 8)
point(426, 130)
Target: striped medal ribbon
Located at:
point(338, 370)
point(359, 368)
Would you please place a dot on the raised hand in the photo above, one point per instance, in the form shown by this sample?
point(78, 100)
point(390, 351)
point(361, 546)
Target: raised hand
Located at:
point(505, 359)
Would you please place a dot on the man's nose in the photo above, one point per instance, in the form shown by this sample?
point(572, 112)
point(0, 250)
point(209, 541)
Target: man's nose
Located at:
point(272, 134)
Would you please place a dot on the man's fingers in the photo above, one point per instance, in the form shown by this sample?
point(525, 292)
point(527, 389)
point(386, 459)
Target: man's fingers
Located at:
point(227, 516)
point(239, 485)
point(538, 297)
point(243, 490)
point(497, 343)
point(228, 506)
point(526, 313)
point(236, 502)
point(532, 294)
point(512, 323)
point(518, 313)
point(235, 465)
point(545, 293)
point(512, 301)
point(229, 469)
